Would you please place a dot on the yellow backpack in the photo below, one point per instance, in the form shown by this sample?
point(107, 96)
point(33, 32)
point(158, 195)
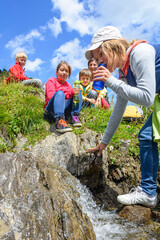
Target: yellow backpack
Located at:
point(132, 113)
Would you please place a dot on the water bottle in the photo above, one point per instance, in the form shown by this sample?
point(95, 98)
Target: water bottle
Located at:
point(76, 97)
point(99, 85)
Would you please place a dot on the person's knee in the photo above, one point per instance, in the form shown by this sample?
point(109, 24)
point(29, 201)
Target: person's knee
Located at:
point(92, 94)
point(37, 81)
point(145, 136)
point(26, 82)
point(60, 93)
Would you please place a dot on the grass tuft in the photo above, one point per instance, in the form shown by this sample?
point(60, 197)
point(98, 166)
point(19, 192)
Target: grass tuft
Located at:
point(21, 112)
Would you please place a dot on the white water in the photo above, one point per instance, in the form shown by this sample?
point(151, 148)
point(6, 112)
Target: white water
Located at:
point(107, 225)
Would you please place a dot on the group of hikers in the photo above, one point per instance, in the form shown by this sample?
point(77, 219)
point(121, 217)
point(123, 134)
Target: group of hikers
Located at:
point(139, 82)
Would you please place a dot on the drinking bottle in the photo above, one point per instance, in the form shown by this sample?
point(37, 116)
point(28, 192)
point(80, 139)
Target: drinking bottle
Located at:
point(76, 97)
point(99, 85)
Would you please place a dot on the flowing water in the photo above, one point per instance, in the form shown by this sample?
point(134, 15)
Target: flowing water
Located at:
point(107, 224)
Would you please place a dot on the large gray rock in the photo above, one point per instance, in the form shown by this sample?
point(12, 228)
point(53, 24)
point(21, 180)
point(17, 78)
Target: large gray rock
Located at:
point(39, 201)
point(70, 152)
point(104, 179)
point(108, 176)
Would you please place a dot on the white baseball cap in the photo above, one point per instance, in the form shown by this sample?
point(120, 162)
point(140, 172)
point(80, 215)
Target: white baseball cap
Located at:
point(103, 34)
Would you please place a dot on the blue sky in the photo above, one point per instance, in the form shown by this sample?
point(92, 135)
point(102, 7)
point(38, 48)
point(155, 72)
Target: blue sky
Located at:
point(53, 30)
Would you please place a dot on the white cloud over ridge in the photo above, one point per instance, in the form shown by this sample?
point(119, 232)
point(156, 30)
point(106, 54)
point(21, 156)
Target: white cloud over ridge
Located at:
point(72, 52)
point(88, 16)
point(23, 42)
point(76, 15)
point(55, 26)
point(33, 65)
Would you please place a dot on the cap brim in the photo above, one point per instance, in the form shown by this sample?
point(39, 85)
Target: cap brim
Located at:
point(88, 53)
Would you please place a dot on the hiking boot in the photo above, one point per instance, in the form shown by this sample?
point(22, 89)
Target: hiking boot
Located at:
point(61, 125)
point(137, 196)
point(75, 121)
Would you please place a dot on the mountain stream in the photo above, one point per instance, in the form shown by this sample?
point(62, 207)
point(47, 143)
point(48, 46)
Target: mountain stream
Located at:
point(107, 224)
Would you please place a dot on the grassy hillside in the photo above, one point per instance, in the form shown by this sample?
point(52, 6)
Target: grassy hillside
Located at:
point(21, 114)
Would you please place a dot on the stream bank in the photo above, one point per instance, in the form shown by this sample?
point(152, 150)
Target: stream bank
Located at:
point(39, 191)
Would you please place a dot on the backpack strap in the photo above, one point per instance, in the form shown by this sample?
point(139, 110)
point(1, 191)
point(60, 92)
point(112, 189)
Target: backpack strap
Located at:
point(126, 63)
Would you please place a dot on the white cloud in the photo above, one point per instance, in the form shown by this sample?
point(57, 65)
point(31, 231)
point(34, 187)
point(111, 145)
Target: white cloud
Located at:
point(77, 15)
point(132, 19)
point(72, 52)
point(55, 26)
point(24, 42)
point(33, 65)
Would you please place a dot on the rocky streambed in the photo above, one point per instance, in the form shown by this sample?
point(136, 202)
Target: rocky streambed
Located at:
point(41, 197)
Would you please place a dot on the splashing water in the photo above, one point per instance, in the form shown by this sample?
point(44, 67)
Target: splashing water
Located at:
point(107, 225)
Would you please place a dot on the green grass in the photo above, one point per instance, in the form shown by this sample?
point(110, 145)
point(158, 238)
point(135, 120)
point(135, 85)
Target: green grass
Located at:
point(97, 119)
point(21, 113)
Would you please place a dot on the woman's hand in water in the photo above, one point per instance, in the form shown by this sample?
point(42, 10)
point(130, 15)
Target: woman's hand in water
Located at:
point(101, 74)
point(98, 148)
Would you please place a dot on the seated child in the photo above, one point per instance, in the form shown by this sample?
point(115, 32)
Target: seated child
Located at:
point(90, 96)
point(16, 73)
point(59, 100)
point(92, 66)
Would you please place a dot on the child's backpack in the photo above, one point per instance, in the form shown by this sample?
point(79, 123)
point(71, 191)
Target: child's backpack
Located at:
point(132, 113)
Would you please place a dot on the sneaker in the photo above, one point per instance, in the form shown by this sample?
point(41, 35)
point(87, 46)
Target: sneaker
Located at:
point(137, 196)
point(75, 121)
point(61, 126)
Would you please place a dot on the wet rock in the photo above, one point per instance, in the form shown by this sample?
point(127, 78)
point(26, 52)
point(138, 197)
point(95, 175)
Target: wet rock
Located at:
point(136, 213)
point(57, 149)
point(107, 176)
point(70, 152)
point(156, 215)
point(39, 201)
